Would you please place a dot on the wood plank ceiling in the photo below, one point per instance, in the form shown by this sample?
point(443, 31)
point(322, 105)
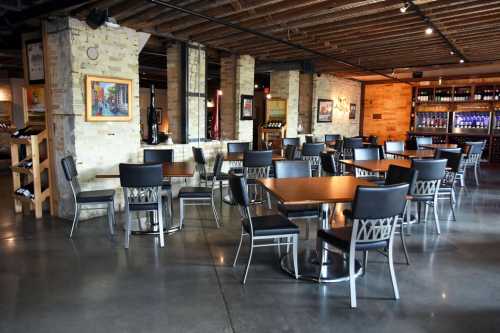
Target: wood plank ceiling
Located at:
point(373, 34)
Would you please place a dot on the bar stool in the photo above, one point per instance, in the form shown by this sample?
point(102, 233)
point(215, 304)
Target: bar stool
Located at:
point(84, 198)
point(141, 185)
point(200, 195)
point(373, 223)
point(261, 228)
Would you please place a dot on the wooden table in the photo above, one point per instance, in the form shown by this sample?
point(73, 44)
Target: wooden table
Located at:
point(440, 146)
point(323, 191)
point(170, 170)
point(420, 153)
point(238, 157)
point(377, 165)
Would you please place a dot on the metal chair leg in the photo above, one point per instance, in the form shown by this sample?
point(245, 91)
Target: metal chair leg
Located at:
point(127, 229)
point(352, 279)
point(110, 219)
point(365, 261)
point(391, 269)
point(239, 247)
point(436, 218)
point(295, 250)
point(249, 261)
point(181, 213)
point(476, 174)
point(403, 241)
point(452, 204)
point(159, 212)
point(75, 219)
point(216, 215)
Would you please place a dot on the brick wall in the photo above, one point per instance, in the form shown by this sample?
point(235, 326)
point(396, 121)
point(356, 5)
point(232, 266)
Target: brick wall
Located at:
point(245, 71)
point(91, 143)
point(228, 104)
point(174, 91)
point(343, 92)
point(196, 104)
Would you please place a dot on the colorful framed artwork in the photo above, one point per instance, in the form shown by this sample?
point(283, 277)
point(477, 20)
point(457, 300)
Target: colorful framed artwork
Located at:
point(325, 110)
point(276, 109)
point(108, 99)
point(34, 61)
point(35, 98)
point(352, 111)
point(246, 107)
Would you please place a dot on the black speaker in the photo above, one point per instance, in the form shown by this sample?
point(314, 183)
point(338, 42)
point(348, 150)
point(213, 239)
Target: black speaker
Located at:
point(97, 17)
point(418, 75)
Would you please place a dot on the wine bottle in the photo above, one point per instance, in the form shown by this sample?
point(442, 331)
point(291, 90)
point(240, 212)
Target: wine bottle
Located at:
point(152, 120)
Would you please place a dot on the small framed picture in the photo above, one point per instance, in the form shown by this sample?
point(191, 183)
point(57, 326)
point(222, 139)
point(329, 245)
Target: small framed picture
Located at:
point(246, 107)
point(325, 109)
point(108, 99)
point(352, 111)
point(34, 58)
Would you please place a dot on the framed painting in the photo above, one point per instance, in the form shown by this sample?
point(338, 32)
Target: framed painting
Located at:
point(108, 99)
point(325, 109)
point(34, 61)
point(276, 109)
point(246, 107)
point(352, 111)
point(35, 98)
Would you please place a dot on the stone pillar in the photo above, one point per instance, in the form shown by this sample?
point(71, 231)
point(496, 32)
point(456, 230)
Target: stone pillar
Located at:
point(228, 105)
point(285, 84)
point(196, 92)
point(96, 146)
point(174, 88)
point(305, 101)
point(237, 78)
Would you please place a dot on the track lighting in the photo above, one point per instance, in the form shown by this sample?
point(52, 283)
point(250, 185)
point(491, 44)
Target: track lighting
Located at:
point(429, 30)
point(462, 61)
point(405, 7)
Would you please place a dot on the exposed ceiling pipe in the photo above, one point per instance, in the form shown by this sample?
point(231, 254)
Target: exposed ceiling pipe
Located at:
point(270, 37)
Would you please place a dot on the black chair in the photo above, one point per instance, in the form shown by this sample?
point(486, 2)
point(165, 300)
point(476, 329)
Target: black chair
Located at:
point(84, 198)
point(400, 175)
point(366, 154)
point(261, 228)
point(393, 146)
point(310, 152)
point(238, 147)
point(373, 140)
point(201, 194)
point(440, 151)
point(349, 145)
point(309, 139)
point(162, 156)
point(474, 151)
point(332, 137)
point(296, 169)
point(290, 151)
point(141, 185)
point(329, 166)
point(257, 164)
point(375, 212)
point(430, 174)
point(453, 167)
point(423, 140)
point(291, 141)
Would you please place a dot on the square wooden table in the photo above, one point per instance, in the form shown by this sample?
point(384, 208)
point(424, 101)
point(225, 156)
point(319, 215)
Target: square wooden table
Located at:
point(381, 166)
point(419, 153)
point(440, 146)
point(323, 191)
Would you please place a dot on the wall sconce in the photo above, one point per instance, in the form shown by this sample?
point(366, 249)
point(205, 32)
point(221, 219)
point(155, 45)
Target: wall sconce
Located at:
point(5, 93)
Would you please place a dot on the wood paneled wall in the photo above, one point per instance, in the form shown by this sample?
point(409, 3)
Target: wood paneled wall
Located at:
point(392, 104)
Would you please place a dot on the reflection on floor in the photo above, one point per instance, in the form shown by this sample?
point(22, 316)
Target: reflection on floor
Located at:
point(91, 284)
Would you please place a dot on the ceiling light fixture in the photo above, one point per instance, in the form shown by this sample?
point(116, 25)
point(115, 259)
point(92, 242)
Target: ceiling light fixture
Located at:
point(452, 52)
point(429, 30)
point(462, 61)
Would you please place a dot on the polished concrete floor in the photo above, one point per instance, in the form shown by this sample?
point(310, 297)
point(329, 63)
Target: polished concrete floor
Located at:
point(49, 283)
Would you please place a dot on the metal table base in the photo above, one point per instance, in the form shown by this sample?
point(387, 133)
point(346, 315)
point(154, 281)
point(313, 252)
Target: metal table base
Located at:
point(335, 270)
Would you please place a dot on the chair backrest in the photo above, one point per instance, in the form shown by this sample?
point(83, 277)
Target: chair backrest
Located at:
point(219, 161)
point(239, 190)
point(430, 174)
point(375, 211)
point(158, 155)
point(290, 152)
point(423, 140)
point(401, 175)
point(365, 154)
point(198, 155)
point(328, 165)
point(238, 147)
point(291, 141)
point(453, 159)
point(394, 146)
point(312, 149)
point(292, 169)
point(256, 164)
point(309, 139)
point(70, 173)
point(373, 140)
point(475, 147)
point(339, 145)
point(141, 175)
point(332, 137)
point(353, 143)
point(440, 151)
